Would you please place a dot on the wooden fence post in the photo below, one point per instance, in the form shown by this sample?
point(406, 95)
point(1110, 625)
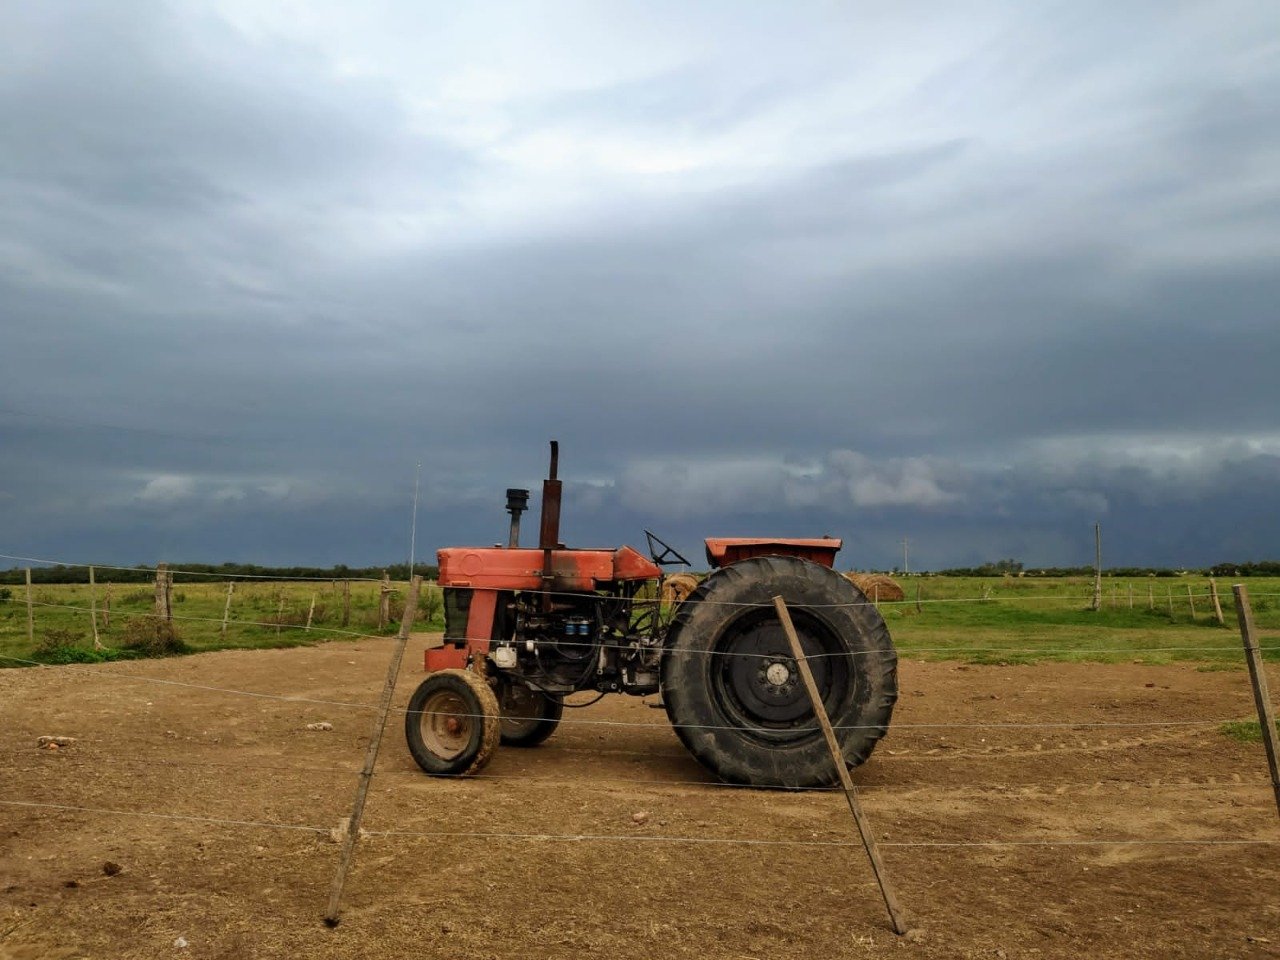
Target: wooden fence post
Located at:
point(1170, 589)
point(1130, 596)
point(1191, 602)
point(1097, 567)
point(875, 591)
point(384, 600)
point(1151, 597)
point(1258, 677)
point(346, 603)
point(31, 616)
point(226, 608)
point(311, 612)
point(1217, 604)
point(164, 597)
point(371, 755)
point(93, 609)
point(280, 612)
point(896, 914)
point(918, 607)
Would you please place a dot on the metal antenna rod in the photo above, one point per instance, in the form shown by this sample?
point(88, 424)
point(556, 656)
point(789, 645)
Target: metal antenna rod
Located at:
point(413, 524)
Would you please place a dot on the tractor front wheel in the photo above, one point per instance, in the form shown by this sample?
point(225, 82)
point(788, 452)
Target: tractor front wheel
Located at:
point(732, 688)
point(452, 723)
point(528, 716)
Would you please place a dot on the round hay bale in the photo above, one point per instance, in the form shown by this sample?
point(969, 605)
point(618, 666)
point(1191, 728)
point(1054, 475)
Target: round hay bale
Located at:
point(678, 586)
point(877, 586)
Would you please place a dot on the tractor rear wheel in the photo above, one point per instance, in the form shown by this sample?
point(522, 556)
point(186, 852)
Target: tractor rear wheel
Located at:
point(452, 723)
point(528, 716)
point(732, 689)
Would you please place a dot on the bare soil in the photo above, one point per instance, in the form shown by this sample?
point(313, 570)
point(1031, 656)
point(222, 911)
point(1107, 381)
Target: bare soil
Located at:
point(233, 890)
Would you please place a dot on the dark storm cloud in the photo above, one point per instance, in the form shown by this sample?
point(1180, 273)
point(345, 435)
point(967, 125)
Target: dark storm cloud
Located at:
point(245, 286)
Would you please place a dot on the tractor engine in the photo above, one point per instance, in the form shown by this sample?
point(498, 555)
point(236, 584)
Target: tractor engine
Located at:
point(575, 642)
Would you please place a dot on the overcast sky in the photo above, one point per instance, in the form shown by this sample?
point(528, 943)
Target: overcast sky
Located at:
point(974, 274)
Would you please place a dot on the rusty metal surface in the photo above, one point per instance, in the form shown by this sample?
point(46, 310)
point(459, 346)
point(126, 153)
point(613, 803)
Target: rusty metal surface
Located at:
point(723, 551)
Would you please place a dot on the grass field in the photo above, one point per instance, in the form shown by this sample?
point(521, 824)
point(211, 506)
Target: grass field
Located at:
point(1024, 620)
point(263, 615)
point(979, 620)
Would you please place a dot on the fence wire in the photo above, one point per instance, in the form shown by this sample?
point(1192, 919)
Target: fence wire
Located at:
point(324, 632)
point(639, 837)
point(652, 724)
point(900, 787)
point(190, 573)
point(660, 783)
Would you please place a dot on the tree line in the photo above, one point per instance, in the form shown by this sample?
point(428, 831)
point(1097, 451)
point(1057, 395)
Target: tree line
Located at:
point(1005, 568)
point(204, 572)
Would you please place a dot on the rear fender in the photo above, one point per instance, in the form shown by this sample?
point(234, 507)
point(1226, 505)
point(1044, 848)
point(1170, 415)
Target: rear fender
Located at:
point(723, 551)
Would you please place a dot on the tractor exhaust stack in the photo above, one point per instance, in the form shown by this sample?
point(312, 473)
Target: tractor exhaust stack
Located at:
point(549, 535)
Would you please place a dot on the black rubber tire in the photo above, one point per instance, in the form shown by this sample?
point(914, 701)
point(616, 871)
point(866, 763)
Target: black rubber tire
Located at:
point(539, 714)
point(452, 723)
point(711, 692)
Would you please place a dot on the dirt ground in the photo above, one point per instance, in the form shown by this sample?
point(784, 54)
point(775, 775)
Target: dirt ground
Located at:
point(234, 890)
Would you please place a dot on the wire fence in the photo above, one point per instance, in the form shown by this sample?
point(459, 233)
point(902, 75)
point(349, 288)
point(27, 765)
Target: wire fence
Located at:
point(113, 673)
point(644, 838)
point(288, 765)
point(178, 571)
point(657, 724)
point(1203, 593)
point(607, 645)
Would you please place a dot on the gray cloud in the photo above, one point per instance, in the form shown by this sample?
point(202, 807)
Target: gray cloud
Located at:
point(979, 278)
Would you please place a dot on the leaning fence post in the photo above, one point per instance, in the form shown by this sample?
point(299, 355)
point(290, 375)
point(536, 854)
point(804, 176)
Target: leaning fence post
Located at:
point(31, 615)
point(1217, 604)
point(371, 755)
point(1258, 677)
point(311, 611)
point(1191, 602)
point(896, 913)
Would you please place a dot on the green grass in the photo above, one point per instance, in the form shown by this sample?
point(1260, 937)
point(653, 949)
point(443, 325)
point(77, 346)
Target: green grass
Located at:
point(1027, 620)
point(263, 615)
point(1245, 731)
point(1021, 620)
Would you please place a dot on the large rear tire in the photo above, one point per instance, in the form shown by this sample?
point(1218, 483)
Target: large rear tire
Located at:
point(731, 687)
point(452, 723)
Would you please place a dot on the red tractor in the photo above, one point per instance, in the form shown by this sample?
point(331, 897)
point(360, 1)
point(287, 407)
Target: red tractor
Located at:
point(524, 628)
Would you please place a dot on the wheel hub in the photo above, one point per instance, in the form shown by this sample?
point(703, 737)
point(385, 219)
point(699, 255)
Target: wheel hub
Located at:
point(446, 724)
point(760, 675)
point(777, 674)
